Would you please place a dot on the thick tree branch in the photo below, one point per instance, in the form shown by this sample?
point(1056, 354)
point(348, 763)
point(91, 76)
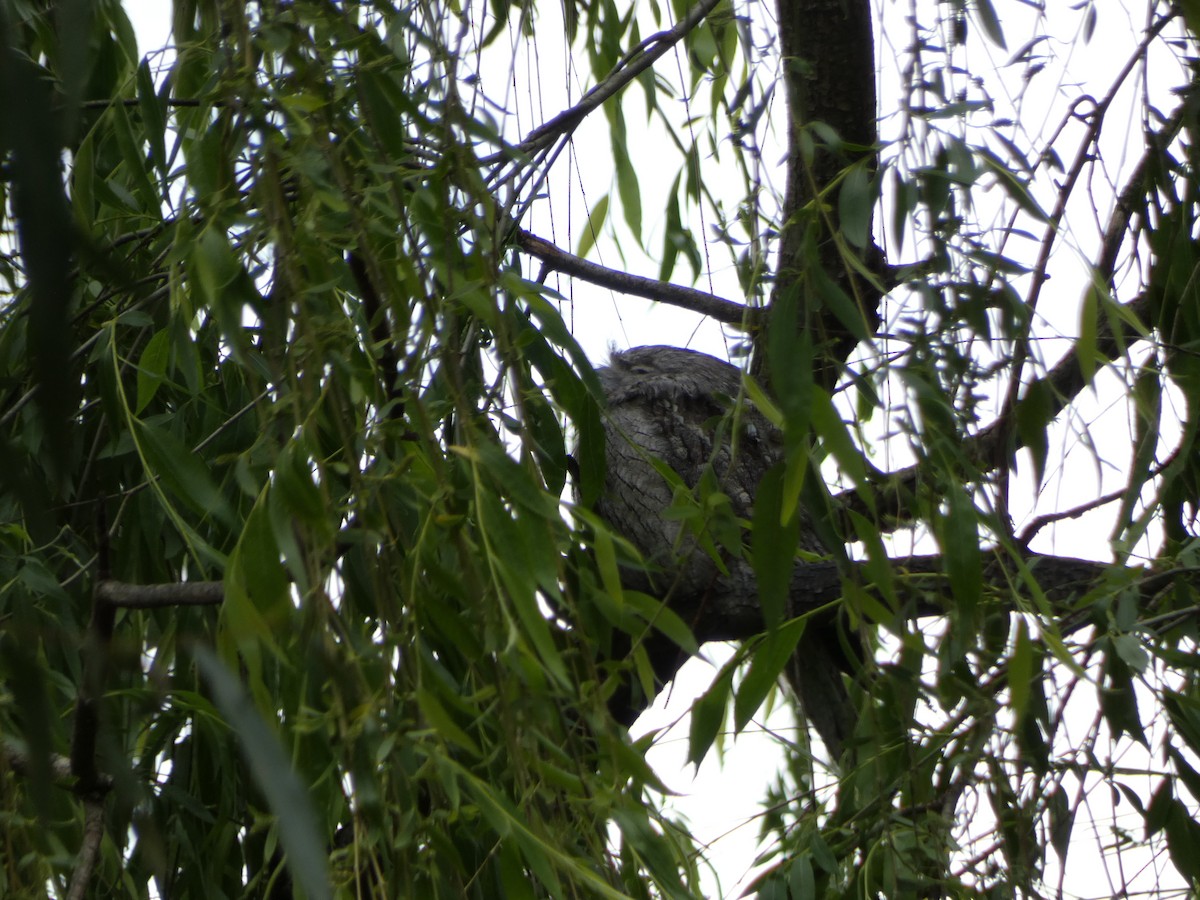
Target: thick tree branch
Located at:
point(156, 596)
point(729, 610)
point(89, 851)
point(91, 689)
point(706, 304)
point(60, 767)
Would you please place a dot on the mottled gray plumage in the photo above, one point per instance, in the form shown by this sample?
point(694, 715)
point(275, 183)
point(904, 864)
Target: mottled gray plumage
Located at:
point(677, 406)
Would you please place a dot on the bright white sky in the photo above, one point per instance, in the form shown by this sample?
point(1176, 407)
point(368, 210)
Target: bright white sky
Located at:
point(721, 800)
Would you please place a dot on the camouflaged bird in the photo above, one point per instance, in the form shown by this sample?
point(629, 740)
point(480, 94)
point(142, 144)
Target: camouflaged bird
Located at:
point(685, 409)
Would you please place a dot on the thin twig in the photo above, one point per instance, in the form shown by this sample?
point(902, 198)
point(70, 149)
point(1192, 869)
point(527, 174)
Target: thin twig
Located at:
point(654, 47)
point(1075, 512)
point(132, 103)
point(1083, 157)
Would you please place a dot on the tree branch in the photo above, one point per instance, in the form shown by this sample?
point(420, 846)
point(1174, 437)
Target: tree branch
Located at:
point(156, 596)
point(91, 785)
point(1085, 155)
point(729, 609)
point(93, 833)
point(637, 61)
point(60, 768)
point(1064, 382)
point(827, 58)
point(706, 304)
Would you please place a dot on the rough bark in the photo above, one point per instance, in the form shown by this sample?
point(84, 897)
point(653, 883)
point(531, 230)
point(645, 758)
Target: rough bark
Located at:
point(827, 53)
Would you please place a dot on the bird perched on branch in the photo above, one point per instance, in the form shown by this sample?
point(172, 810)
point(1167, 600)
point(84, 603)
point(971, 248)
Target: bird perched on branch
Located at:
point(682, 410)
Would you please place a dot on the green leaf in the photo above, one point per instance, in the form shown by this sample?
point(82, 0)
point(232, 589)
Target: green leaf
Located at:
point(1020, 669)
point(593, 226)
point(672, 232)
point(835, 298)
point(627, 180)
point(522, 553)
point(856, 205)
point(762, 402)
point(773, 543)
point(536, 849)
point(1035, 411)
point(1131, 652)
point(303, 499)
point(287, 797)
point(1062, 822)
point(514, 480)
point(257, 601)
point(135, 171)
point(154, 125)
point(152, 367)
point(1159, 808)
point(1183, 839)
point(1187, 775)
point(835, 436)
point(1085, 347)
point(801, 879)
point(1118, 700)
point(767, 662)
point(654, 612)
point(1012, 184)
point(708, 716)
point(606, 559)
point(256, 565)
point(183, 471)
point(215, 264)
point(794, 476)
point(442, 722)
point(959, 537)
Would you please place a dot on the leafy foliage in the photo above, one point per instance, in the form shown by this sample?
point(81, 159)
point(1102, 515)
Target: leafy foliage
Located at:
point(267, 326)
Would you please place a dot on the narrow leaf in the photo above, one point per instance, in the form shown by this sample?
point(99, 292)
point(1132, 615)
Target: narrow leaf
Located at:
point(151, 368)
point(960, 546)
point(183, 471)
point(773, 543)
point(1085, 347)
point(299, 832)
point(708, 717)
point(593, 226)
point(1020, 669)
point(855, 206)
point(766, 665)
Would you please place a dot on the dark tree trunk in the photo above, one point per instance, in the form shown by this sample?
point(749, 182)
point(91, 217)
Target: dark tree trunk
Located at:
point(827, 55)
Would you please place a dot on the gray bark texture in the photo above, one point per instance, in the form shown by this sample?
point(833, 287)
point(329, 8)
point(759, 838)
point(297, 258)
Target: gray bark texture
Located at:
point(682, 409)
point(827, 57)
